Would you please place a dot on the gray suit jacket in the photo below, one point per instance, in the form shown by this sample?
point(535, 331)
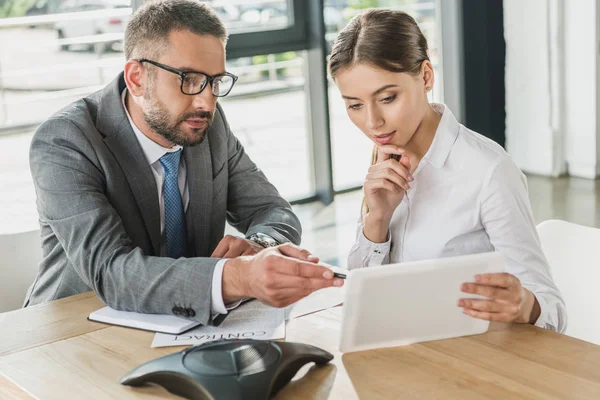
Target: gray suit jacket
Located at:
point(98, 206)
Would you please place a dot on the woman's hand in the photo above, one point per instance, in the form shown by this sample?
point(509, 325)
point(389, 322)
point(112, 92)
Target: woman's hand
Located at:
point(508, 300)
point(384, 188)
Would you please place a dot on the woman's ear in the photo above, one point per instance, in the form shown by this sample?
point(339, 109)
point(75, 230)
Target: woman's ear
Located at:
point(428, 75)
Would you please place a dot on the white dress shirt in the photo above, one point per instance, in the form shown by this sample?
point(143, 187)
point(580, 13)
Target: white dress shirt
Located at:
point(467, 197)
point(153, 152)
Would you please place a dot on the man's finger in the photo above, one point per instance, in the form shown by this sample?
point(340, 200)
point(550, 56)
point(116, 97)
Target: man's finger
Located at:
point(250, 251)
point(293, 282)
point(294, 251)
point(236, 248)
point(305, 269)
point(313, 259)
point(286, 297)
point(221, 249)
point(233, 252)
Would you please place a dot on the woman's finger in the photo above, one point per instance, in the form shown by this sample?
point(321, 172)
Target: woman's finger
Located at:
point(373, 185)
point(503, 280)
point(397, 166)
point(494, 317)
point(491, 292)
point(385, 151)
point(489, 306)
point(390, 175)
point(393, 166)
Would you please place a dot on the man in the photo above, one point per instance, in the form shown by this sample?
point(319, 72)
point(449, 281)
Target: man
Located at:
point(135, 183)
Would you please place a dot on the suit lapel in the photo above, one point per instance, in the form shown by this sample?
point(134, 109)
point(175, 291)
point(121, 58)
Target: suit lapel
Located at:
point(121, 140)
point(200, 185)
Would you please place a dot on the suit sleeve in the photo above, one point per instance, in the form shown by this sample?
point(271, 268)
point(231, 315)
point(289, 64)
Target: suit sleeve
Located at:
point(71, 198)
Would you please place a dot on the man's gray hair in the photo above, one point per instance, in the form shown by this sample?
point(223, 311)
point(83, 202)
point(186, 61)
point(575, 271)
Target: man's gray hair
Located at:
point(148, 30)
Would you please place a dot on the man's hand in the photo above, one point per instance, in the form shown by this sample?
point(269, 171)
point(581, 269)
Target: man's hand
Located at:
point(508, 300)
point(277, 276)
point(233, 246)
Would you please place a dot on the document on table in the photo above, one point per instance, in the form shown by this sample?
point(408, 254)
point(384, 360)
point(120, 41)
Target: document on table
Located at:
point(316, 301)
point(319, 300)
point(251, 320)
point(254, 320)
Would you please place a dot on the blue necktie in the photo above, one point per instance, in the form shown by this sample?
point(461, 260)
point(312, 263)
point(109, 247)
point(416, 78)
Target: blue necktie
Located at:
point(175, 233)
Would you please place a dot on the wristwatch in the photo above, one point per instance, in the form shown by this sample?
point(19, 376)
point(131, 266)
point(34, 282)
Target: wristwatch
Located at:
point(264, 240)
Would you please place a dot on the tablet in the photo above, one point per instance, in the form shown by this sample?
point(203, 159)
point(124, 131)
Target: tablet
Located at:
point(399, 304)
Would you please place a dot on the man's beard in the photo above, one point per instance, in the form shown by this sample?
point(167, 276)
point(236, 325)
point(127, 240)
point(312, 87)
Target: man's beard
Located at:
point(159, 120)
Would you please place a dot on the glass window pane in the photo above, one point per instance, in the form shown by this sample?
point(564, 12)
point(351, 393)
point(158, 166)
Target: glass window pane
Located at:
point(267, 104)
point(75, 51)
point(266, 110)
point(351, 149)
point(58, 58)
point(248, 16)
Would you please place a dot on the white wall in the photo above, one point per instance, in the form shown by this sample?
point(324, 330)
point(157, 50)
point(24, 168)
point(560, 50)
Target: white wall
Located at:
point(451, 37)
point(551, 78)
point(581, 92)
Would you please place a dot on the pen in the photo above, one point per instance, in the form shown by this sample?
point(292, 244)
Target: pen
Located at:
point(338, 275)
point(335, 274)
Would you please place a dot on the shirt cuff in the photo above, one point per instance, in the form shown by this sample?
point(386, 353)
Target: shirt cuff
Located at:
point(543, 319)
point(374, 253)
point(217, 304)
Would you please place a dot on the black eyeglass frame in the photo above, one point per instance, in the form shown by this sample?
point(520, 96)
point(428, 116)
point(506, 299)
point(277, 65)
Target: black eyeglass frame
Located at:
point(182, 74)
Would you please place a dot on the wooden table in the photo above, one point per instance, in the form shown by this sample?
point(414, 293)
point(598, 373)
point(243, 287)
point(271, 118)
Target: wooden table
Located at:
point(52, 351)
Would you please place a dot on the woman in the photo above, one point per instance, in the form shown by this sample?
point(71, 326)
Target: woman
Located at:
point(452, 192)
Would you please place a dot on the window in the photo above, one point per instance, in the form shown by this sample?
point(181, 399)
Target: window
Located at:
point(267, 112)
point(247, 16)
point(276, 109)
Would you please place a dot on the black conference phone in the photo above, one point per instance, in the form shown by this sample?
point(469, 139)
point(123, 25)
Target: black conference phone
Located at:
point(228, 369)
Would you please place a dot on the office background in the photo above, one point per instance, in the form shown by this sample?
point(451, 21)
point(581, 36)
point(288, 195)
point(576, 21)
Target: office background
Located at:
point(524, 73)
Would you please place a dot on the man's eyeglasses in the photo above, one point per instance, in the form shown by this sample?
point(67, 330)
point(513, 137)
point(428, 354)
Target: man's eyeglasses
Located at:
point(193, 83)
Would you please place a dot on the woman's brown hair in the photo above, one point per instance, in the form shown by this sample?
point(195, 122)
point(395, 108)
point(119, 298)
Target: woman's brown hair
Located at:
point(387, 39)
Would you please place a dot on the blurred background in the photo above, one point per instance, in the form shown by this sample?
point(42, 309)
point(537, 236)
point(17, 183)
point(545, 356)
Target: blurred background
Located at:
point(523, 73)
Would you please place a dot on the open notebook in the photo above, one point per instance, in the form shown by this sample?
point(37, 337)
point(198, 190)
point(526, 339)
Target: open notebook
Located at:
point(149, 322)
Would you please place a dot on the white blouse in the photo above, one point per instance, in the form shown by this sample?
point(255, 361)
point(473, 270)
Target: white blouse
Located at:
point(468, 196)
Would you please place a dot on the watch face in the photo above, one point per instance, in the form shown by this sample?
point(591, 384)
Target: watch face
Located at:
point(263, 240)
